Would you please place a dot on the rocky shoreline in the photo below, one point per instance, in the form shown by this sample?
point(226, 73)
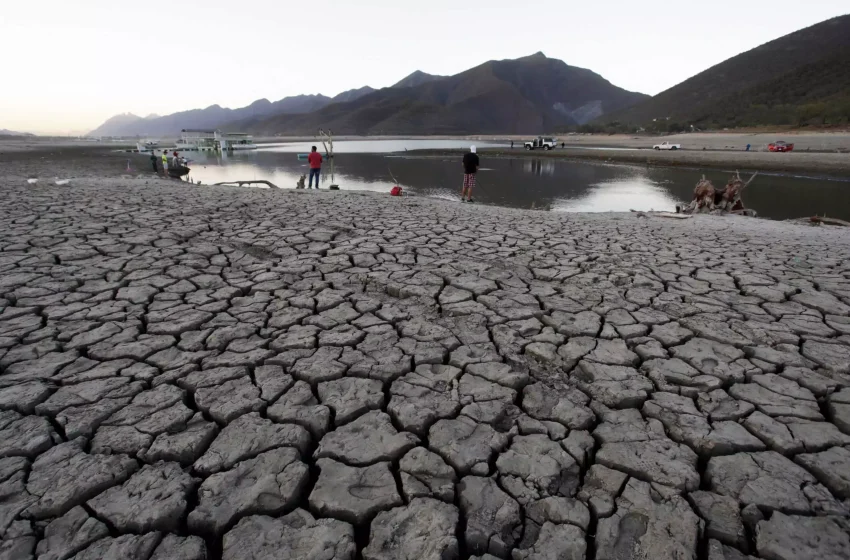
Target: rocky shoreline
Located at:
point(218, 373)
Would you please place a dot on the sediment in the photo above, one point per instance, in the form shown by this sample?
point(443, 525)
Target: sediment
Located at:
point(221, 373)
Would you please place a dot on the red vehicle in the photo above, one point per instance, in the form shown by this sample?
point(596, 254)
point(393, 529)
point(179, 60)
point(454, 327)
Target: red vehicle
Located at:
point(780, 146)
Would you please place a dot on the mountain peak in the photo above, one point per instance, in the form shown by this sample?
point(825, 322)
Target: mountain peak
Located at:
point(417, 78)
point(536, 57)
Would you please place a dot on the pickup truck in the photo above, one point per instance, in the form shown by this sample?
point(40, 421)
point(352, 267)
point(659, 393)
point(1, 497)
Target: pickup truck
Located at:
point(667, 146)
point(780, 146)
point(540, 142)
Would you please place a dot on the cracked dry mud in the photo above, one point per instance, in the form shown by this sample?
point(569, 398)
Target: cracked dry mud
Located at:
point(208, 373)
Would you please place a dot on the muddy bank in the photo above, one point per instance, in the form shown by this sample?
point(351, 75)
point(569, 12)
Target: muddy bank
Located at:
point(803, 163)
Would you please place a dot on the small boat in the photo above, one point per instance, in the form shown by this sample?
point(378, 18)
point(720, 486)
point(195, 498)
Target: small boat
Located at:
point(147, 146)
point(178, 171)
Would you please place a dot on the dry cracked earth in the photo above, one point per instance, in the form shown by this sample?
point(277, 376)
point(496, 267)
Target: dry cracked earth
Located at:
point(207, 373)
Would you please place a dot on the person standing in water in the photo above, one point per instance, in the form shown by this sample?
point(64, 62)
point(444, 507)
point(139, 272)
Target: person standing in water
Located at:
point(315, 159)
point(470, 168)
point(164, 162)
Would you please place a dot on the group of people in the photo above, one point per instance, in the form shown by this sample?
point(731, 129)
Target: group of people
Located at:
point(176, 160)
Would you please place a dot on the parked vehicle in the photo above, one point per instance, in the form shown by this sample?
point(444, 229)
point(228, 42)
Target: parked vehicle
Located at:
point(667, 146)
point(541, 142)
point(780, 146)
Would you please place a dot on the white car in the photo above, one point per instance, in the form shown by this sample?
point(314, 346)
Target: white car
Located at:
point(541, 142)
point(667, 146)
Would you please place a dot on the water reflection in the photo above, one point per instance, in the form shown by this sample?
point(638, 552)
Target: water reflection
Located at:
point(539, 167)
point(541, 183)
point(381, 146)
point(637, 192)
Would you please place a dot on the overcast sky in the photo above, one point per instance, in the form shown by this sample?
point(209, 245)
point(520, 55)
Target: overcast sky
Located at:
point(68, 65)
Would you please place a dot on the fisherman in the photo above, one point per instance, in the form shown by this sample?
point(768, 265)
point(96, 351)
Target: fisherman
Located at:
point(315, 159)
point(164, 162)
point(470, 168)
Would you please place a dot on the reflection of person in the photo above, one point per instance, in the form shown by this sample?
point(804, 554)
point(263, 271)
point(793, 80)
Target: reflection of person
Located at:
point(315, 159)
point(470, 168)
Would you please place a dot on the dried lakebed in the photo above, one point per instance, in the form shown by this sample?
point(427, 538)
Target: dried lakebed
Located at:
point(217, 373)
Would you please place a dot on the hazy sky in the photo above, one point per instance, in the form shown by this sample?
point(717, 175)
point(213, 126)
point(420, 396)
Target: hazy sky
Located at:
point(67, 65)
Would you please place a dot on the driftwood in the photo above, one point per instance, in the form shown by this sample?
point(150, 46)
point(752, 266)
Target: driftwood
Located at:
point(707, 198)
point(241, 183)
point(828, 221)
point(642, 214)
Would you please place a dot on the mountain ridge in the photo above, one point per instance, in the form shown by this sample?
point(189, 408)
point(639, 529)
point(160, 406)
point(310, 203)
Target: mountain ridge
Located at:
point(497, 96)
point(417, 78)
point(531, 94)
point(726, 93)
point(128, 124)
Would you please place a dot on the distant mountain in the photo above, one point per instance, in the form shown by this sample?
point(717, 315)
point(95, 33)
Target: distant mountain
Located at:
point(529, 95)
point(417, 79)
point(801, 78)
point(534, 94)
point(7, 132)
point(353, 94)
point(117, 125)
point(210, 118)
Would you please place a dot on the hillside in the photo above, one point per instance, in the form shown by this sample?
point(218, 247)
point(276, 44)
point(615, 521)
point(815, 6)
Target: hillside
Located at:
point(813, 94)
point(351, 95)
point(780, 82)
point(417, 78)
point(115, 125)
point(527, 95)
point(7, 132)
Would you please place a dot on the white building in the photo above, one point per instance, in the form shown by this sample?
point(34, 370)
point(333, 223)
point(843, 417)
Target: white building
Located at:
point(214, 140)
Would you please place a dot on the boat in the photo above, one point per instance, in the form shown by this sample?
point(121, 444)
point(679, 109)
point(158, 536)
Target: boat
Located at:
point(147, 145)
point(177, 171)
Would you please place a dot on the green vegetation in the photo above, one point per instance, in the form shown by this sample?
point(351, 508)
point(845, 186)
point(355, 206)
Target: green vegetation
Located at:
point(813, 95)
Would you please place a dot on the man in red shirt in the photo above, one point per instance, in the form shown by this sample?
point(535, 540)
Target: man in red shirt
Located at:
point(315, 159)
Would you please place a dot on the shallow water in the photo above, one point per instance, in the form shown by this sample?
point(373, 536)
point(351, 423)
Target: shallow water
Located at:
point(523, 183)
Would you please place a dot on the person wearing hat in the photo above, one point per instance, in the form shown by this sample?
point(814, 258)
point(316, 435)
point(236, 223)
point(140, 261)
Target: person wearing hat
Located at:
point(470, 168)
